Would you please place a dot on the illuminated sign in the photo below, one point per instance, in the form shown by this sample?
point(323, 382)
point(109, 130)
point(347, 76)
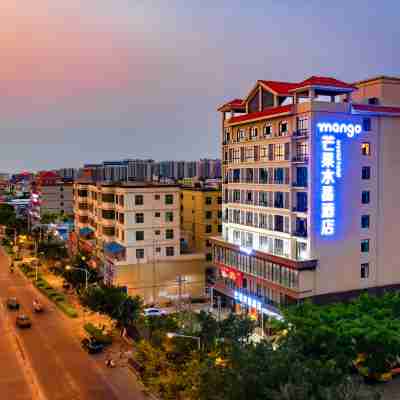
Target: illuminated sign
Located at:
point(248, 300)
point(349, 129)
point(331, 169)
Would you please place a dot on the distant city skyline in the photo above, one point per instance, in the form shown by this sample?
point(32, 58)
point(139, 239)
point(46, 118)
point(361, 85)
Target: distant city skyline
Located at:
point(112, 80)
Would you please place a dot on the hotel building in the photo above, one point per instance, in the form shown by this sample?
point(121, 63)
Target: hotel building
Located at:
point(310, 200)
point(133, 230)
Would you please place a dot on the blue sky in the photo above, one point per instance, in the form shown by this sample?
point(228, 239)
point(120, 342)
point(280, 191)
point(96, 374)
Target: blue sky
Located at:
point(108, 80)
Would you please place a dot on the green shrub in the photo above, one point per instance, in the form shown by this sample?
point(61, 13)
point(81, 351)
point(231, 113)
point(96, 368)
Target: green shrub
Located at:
point(97, 334)
point(67, 309)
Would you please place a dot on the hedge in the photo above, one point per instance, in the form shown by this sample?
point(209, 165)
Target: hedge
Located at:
point(97, 334)
point(67, 308)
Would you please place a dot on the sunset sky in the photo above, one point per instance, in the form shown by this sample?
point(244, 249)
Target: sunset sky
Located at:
point(86, 81)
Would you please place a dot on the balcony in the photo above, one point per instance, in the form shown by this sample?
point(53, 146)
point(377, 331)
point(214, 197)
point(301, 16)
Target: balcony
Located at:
point(300, 184)
point(300, 158)
point(300, 209)
point(300, 133)
point(300, 233)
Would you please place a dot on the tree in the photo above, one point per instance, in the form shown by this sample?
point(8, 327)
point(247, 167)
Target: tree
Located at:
point(128, 311)
point(49, 218)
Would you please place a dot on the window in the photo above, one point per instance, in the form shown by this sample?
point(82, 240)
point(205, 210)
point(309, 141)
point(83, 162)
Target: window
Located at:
point(219, 228)
point(169, 251)
point(169, 199)
point(157, 215)
point(139, 235)
point(267, 130)
point(366, 173)
point(138, 200)
point(61, 189)
point(139, 253)
point(107, 198)
point(366, 124)
point(279, 152)
point(283, 128)
point(208, 200)
point(108, 214)
point(208, 228)
point(208, 257)
point(169, 234)
point(157, 232)
point(61, 204)
point(208, 243)
point(365, 246)
point(365, 197)
point(139, 218)
point(157, 197)
point(169, 216)
point(219, 200)
point(208, 214)
point(158, 249)
point(364, 271)
point(219, 214)
point(253, 132)
point(365, 149)
point(364, 221)
point(61, 196)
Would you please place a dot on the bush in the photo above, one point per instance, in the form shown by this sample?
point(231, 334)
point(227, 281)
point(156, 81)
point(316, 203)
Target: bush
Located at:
point(97, 334)
point(67, 309)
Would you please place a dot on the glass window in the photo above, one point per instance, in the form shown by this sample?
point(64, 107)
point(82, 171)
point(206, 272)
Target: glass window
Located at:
point(219, 228)
point(169, 216)
point(158, 249)
point(169, 234)
point(208, 228)
point(139, 253)
point(157, 215)
point(208, 257)
point(208, 214)
point(366, 173)
point(139, 235)
point(365, 197)
point(365, 149)
point(366, 124)
point(364, 272)
point(219, 200)
point(169, 199)
point(107, 198)
point(208, 200)
point(364, 221)
point(169, 251)
point(139, 218)
point(157, 197)
point(365, 246)
point(157, 232)
point(267, 130)
point(138, 200)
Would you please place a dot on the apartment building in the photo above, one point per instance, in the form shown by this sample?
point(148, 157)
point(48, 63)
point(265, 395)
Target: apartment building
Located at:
point(309, 192)
point(136, 228)
point(57, 198)
point(201, 218)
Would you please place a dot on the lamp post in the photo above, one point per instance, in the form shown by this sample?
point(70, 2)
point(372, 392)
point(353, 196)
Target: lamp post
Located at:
point(171, 335)
point(68, 268)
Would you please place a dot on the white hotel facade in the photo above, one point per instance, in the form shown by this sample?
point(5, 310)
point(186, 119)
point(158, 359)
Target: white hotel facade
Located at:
point(310, 193)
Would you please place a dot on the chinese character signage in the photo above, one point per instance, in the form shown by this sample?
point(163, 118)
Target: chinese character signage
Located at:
point(331, 169)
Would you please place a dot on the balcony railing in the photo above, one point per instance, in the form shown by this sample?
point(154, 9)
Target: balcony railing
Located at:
point(300, 158)
point(300, 184)
point(300, 209)
point(300, 133)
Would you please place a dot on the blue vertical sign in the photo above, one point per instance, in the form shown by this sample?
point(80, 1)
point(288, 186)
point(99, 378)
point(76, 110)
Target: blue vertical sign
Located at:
point(331, 169)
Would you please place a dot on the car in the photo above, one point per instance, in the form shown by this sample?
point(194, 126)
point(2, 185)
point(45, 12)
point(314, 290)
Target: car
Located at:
point(154, 312)
point(12, 303)
point(92, 346)
point(23, 321)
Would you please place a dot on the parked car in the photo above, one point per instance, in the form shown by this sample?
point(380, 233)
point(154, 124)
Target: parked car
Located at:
point(23, 321)
point(154, 312)
point(91, 346)
point(12, 303)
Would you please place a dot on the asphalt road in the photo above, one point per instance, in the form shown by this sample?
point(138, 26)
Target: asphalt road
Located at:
point(46, 361)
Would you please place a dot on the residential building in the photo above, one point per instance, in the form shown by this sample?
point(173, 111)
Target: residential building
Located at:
point(309, 192)
point(57, 198)
point(201, 218)
point(136, 232)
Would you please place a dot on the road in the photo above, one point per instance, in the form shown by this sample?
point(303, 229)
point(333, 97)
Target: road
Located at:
point(46, 362)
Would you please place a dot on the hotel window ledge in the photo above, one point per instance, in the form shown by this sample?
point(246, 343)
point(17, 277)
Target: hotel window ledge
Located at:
point(300, 184)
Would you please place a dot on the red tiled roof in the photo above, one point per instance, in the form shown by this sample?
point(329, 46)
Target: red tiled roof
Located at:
point(236, 103)
point(260, 114)
point(280, 87)
point(376, 109)
point(324, 81)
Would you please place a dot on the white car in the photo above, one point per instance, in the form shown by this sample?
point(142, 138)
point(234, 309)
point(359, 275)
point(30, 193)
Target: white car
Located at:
point(154, 312)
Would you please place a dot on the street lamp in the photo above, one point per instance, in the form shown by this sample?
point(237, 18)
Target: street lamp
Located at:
point(68, 268)
point(171, 335)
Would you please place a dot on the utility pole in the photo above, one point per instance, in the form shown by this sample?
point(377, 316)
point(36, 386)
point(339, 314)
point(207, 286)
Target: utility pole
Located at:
point(154, 271)
point(219, 308)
